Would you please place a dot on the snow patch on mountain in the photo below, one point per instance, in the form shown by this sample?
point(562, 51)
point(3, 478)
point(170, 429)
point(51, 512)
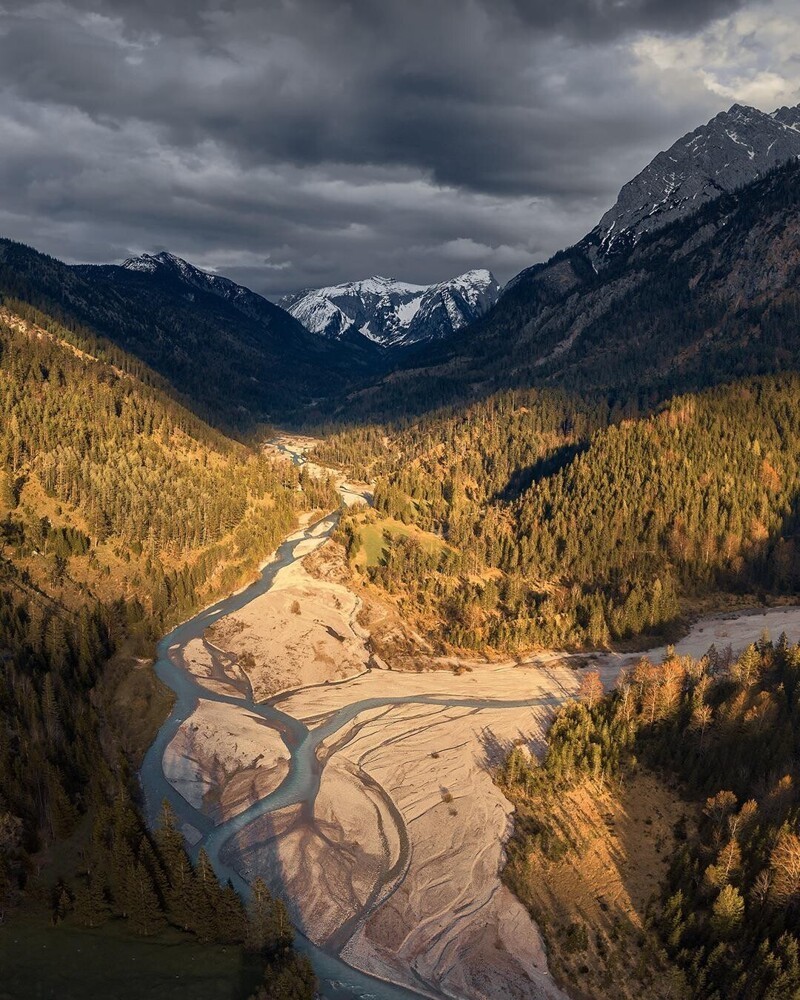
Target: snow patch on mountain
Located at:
point(146, 264)
point(730, 150)
point(246, 301)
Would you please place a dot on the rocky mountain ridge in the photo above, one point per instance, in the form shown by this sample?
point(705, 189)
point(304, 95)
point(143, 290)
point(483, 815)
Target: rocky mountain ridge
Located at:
point(246, 301)
point(730, 150)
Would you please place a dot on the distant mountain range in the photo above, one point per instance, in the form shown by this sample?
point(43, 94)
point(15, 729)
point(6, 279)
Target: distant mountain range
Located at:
point(387, 312)
point(394, 313)
point(692, 276)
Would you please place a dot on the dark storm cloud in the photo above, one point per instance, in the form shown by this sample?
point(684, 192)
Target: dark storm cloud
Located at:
point(577, 18)
point(604, 19)
point(299, 142)
point(464, 90)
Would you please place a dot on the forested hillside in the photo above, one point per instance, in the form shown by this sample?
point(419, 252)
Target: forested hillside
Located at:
point(728, 732)
point(120, 512)
point(230, 364)
point(131, 485)
point(569, 524)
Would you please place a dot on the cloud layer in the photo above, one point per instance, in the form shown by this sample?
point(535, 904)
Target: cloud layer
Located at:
point(303, 142)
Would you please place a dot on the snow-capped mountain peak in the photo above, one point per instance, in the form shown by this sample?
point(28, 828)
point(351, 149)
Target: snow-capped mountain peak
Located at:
point(392, 312)
point(730, 150)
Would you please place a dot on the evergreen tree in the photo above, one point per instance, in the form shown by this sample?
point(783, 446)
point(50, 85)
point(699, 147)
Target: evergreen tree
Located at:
point(143, 907)
point(261, 935)
point(727, 912)
point(91, 907)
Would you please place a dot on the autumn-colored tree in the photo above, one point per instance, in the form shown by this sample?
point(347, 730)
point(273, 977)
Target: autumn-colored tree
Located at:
point(784, 864)
point(717, 809)
point(590, 689)
point(726, 866)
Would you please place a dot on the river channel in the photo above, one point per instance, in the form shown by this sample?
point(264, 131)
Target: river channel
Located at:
point(338, 980)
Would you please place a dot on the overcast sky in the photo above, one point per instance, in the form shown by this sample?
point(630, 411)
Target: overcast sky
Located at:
point(308, 142)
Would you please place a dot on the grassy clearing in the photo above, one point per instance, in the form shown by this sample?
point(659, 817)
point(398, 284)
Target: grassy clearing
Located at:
point(66, 962)
point(373, 541)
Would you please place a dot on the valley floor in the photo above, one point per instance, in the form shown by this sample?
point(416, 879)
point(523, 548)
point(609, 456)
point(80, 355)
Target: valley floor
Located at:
point(392, 857)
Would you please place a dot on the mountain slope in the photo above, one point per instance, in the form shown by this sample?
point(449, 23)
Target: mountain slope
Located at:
point(151, 490)
point(566, 525)
point(731, 150)
point(708, 297)
point(393, 313)
point(705, 298)
point(234, 356)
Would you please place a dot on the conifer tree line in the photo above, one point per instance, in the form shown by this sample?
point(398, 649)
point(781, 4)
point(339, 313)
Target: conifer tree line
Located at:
point(599, 522)
point(50, 740)
point(729, 730)
point(61, 766)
